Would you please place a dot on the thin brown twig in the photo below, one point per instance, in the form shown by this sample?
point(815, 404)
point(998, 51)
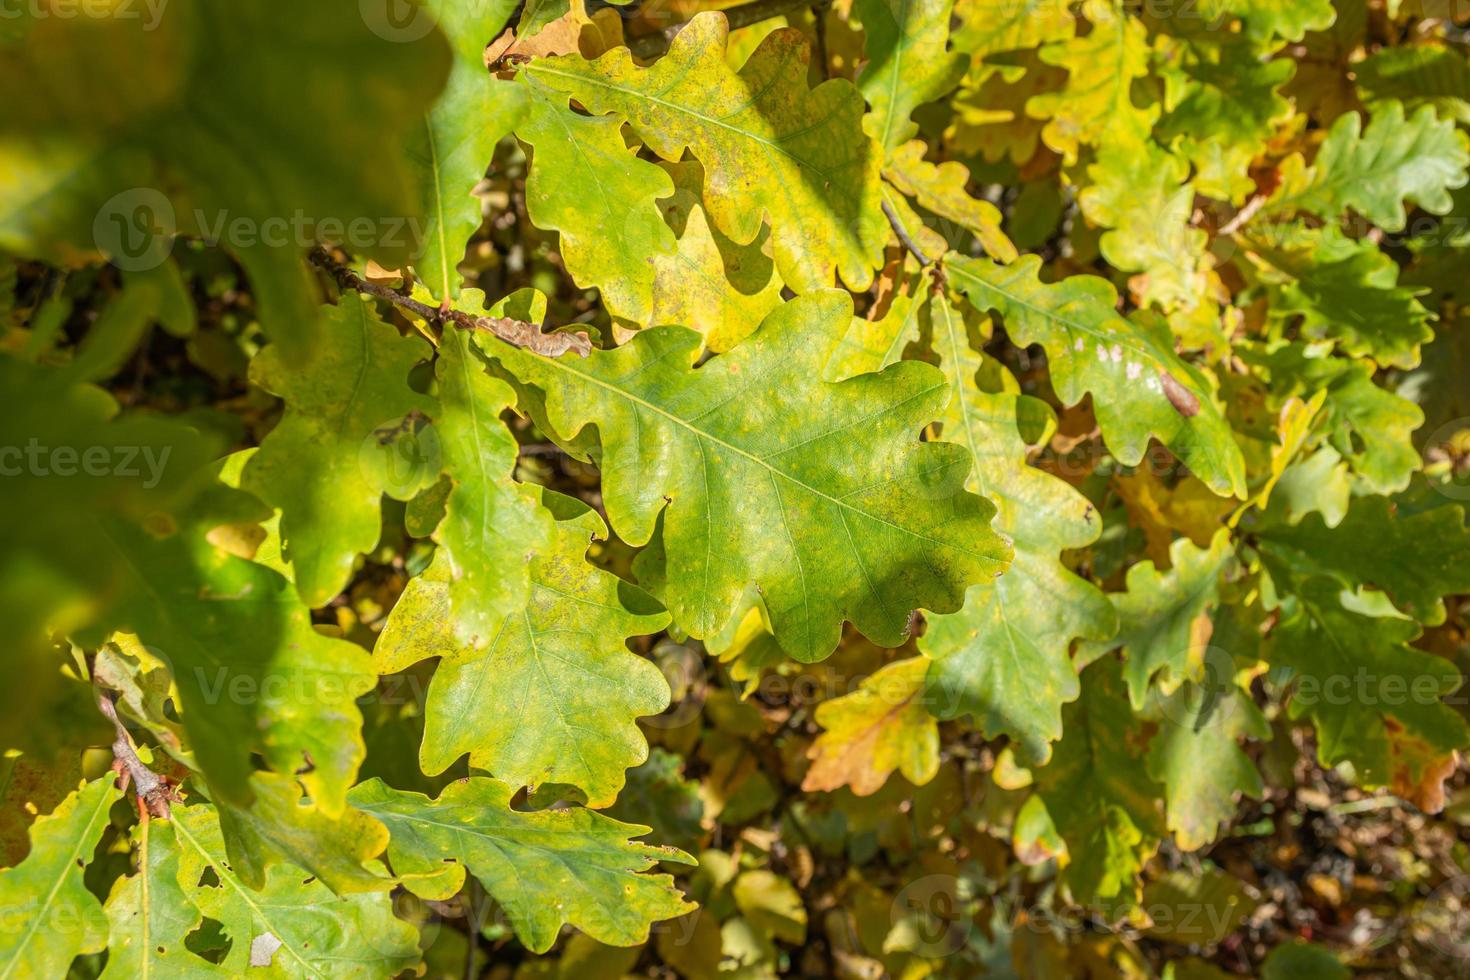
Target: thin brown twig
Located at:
point(903, 235)
point(154, 792)
point(1244, 215)
point(517, 333)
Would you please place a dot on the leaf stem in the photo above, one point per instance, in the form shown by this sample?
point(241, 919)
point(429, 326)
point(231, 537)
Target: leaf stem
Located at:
point(517, 333)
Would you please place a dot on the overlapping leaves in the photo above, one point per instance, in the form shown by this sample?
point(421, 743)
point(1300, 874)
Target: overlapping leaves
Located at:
point(748, 461)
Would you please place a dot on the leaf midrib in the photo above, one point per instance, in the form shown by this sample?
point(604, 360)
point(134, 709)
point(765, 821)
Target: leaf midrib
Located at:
point(61, 879)
point(1123, 340)
point(560, 365)
point(225, 875)
point(685, 110)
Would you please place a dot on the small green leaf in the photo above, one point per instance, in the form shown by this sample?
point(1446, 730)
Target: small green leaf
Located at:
point(554, 697)
point(456, 140)
point(1096, 105)
point(1374, 700)
point(586, 184)
point(769, 145)
point(1369, 427)
point(1140, 387)
point(546, 868)
point(1375, 171)
point(293, 922)
point(1263, 18)
point(1004, 658)
point(909, 63)
point(1196, 755)
point(1343, 290)
point(346, 402)
point(46, 889)
point(1414, 559)
point(1099, 793)
point(1164, 619)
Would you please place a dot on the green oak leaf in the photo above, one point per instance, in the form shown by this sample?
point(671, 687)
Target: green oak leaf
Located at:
point(587, 185)
point(1197, 758)
point(546, 868)
point(344, 402)
point(1319, 483)
point(1227, 88)
point(909, 63)
point(769, 145)
point(1003, 658)
point(49, 916)
point(1142, 196)
point(195, 140)
point(1374, 700)
point(279, 826)
point(1415, 75)
point(292, 923)
point(1344, 290)
point(1164, 618)
point(456, 139)
point(761, 472)
point(490, 528)
point(1096, 104)
point(1140, 387)
point(985, 27)
point(1369, 427)
point(1414, 559)
point(151, 916)
point(1374, 171)
point(1098, 791)
point(1264, 18)
point(709, 283)
point(252, 672)
point(554, 697)
point(940, 188)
